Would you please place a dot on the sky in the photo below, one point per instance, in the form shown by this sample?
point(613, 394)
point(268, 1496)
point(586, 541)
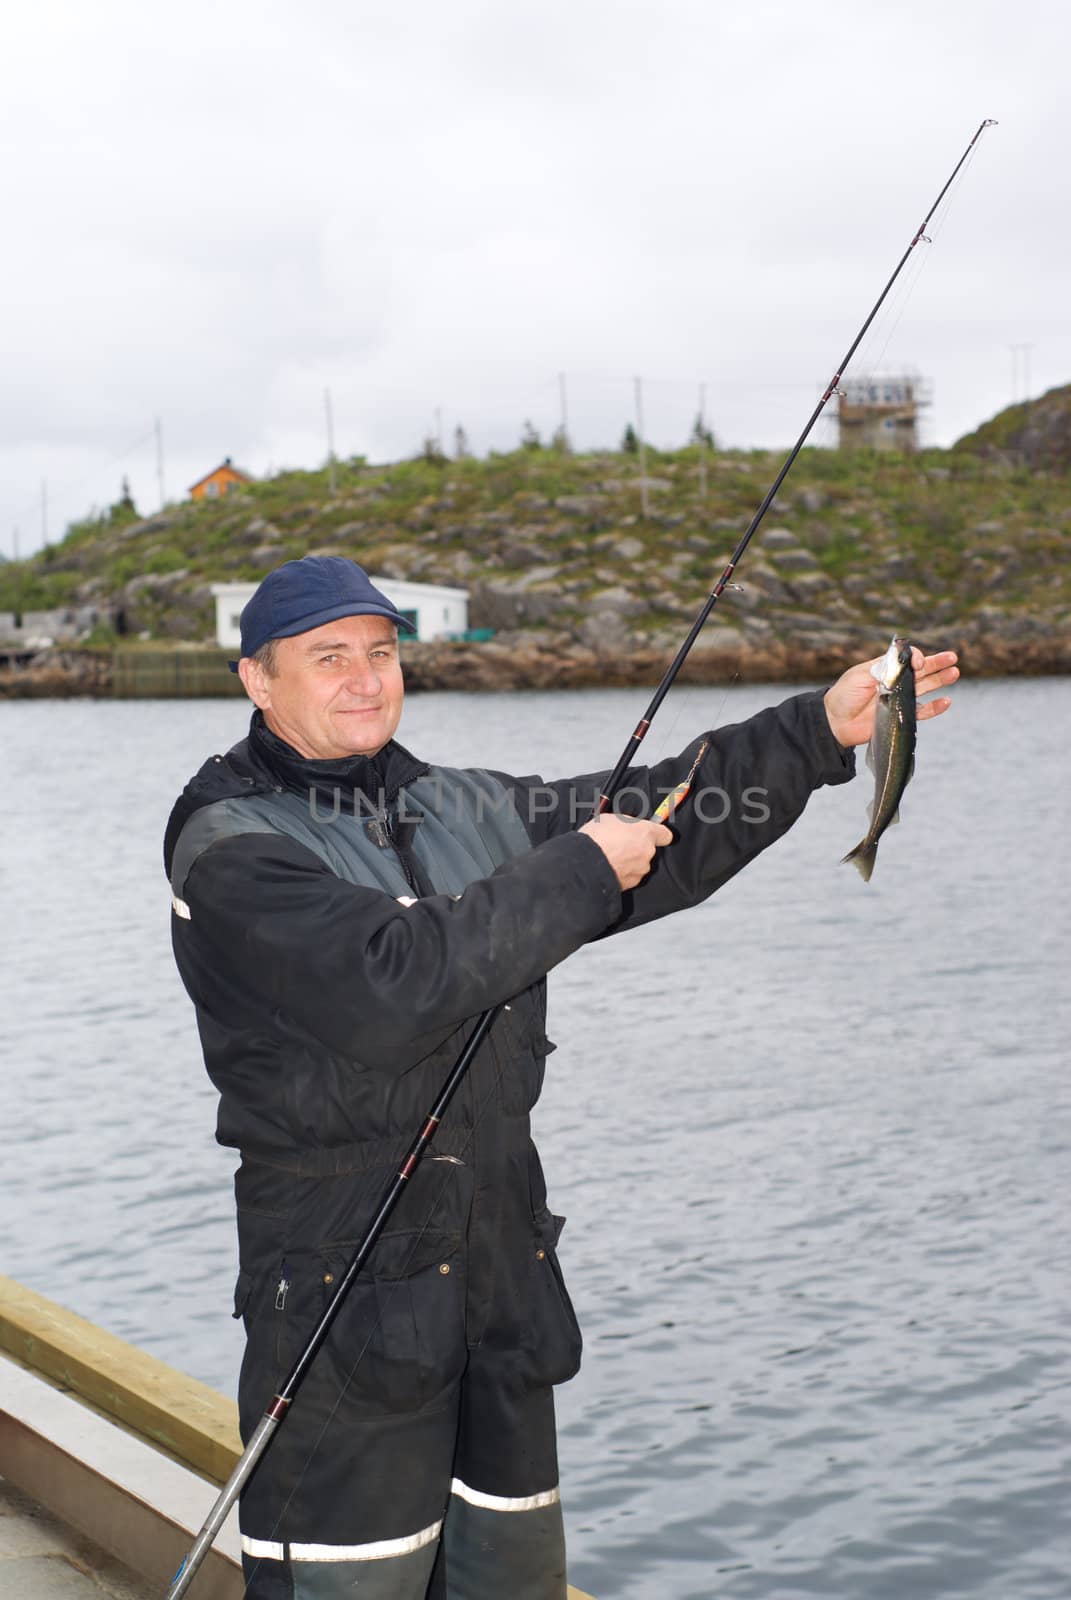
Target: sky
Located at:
point(217, 213)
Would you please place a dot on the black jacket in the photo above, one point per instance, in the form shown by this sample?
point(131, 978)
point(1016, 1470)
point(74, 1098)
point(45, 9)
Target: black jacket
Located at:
point(339, 924)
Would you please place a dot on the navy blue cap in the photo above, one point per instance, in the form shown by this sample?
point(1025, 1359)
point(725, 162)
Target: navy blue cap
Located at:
point(303, 594)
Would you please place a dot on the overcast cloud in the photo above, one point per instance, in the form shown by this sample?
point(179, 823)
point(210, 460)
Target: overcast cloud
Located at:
point(215, 212)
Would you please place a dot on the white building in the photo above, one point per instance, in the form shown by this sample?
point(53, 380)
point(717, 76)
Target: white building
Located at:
point(439, 612)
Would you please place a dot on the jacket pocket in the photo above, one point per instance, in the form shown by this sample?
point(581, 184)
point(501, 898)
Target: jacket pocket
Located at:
point(261, 1372)
point(555, 1343)
point(397, 1342)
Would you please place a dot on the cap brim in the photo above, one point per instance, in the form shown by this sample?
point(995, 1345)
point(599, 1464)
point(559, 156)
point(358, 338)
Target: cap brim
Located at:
point(332, 613)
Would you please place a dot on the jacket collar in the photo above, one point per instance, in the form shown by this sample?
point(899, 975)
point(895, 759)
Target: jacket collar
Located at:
point(379, 778)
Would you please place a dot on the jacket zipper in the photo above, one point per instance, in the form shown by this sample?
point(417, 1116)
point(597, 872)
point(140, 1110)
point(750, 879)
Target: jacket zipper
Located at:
point(382, 828)
point(387, 825)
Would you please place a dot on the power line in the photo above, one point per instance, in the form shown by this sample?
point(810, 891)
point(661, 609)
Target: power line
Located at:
point(66, 490)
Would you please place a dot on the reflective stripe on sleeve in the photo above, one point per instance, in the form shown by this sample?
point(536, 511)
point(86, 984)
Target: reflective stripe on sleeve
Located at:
point(501, 1502)
point(378, 1550)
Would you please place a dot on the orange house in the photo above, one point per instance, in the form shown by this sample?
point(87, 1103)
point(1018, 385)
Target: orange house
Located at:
point(220, 481)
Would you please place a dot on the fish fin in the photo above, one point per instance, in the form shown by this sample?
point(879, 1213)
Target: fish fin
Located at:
point(863, 858)
point(870, 756)
point(894, 819)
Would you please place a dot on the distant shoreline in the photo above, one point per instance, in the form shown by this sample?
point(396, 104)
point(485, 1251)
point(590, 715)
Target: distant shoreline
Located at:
point(524, 661)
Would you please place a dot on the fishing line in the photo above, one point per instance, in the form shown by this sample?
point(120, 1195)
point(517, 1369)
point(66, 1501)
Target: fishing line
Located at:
point(866, 361)
point(906, 291)
point(667, 742)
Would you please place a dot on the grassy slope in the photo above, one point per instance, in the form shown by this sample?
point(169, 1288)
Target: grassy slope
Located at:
point(929, 539)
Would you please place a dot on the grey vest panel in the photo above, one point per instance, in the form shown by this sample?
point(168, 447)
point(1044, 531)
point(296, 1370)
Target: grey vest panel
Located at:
point(469, 828)
point(220, 821)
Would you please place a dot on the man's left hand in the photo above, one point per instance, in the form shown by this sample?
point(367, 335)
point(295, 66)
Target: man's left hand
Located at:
point(852, 701)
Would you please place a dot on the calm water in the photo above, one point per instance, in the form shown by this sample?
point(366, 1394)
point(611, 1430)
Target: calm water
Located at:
point(814, 1143)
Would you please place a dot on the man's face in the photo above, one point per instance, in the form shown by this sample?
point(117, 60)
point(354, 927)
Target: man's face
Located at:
point(336, 690)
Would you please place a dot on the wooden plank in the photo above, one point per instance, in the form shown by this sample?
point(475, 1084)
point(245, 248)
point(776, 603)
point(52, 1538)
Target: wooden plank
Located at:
point(187, 1420)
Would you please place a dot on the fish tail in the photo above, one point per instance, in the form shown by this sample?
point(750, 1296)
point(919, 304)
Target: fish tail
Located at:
point(863, 857)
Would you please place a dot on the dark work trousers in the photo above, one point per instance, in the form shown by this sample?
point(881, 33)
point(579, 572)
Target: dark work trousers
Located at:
point(458, 1501)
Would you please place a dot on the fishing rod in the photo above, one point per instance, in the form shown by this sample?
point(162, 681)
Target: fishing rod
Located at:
point(281, 1402)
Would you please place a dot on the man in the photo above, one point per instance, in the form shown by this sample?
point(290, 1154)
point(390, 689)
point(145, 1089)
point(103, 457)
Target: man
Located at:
point(342, 913)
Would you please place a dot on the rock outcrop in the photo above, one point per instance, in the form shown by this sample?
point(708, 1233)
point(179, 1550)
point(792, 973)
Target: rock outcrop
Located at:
point(1033, 433)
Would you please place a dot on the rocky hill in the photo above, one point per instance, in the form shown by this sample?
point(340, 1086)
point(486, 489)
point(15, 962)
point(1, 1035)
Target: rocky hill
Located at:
point(1035, 434)
point(970, 546)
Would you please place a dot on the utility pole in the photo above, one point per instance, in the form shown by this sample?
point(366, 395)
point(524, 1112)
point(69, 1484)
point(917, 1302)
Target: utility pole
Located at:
point(330, 443)
point(643, 446)
point(159, 432)
point(1023, 351)
point(564, 407)
point(702, 443)
point(17, 608)
point(439, 429)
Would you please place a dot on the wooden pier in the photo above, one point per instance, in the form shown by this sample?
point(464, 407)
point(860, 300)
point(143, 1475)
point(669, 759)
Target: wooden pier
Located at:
point(171, 674)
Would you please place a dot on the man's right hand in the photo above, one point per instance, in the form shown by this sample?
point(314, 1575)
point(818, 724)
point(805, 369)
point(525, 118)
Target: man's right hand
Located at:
point(628, 843)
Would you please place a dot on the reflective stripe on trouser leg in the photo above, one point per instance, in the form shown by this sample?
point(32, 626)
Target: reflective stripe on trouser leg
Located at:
point(368, 1517)
point(503, 1531)
point(388, 1569)
point(491, 1550)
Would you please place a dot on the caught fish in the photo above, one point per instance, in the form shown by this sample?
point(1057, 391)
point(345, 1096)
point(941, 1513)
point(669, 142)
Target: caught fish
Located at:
point(891, 752)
